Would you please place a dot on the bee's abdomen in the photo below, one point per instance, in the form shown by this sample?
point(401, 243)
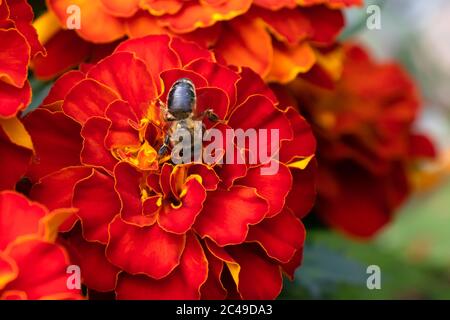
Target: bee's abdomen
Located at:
point(181, 97)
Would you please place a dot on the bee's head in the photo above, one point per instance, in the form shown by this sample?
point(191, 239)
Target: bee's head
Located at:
point(181, 98)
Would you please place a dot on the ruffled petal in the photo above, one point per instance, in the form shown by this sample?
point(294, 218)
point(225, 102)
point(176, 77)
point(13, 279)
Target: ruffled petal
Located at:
point(94, 152)
point(144, 250)
point(13, 99)
point(56, 190)
point(55, 98)
point(94, 20)
point(280, 236)
point(13, 162)
point(180, 218)
point(238, 47)
point(259, 277)
point(182, 284)
point(273, 188)
point(91, 258)
point(114, 72)
point(42, 268)
point(57, 145)
point(88, 98)
point(217, 76)
point(161, 57)
point(19, 217)
point(195, 15)
point(220, 220)
point(97, 203)
point(14, 58)
point(65, 50)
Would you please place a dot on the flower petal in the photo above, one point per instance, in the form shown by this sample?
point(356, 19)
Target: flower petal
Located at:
point(75, 50)
point(13, 99)
point(14, 161)
point(18, 217)
point(280, 236)
point(161, 57)
point(94, 152)
point(213, 288)
point(57, 145)
point(56, 190)
point(259, 277)
point(144, 250)
point(42, 268)
point(182, 284)
point(91, 258)
point(238, 46)
point(114, 72)
point(227, 215)
point(258, 112)
point(14, 58)
point(252, 84)
point(88, 98)
point(179, 219)
point(289, 61)
point(210, 180)
point(303, 143)
point(93, 20)
point(217, 76)
point(98, 204)
point(8, 270)
point(121, 133)
point(61, 88)
point(273, 188)
point(120, 8)
point(189, 51)
point(303, 187)
point(194, 15)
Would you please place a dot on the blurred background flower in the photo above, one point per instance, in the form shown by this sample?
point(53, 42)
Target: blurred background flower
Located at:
point(32, 265)
point(277, 39)
point(412, 251)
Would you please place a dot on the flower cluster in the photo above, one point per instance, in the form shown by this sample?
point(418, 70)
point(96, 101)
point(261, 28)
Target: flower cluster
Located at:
point(32, 266)
point(366, 143)
point(86, 178)
point(277, 39)
point(158, 230)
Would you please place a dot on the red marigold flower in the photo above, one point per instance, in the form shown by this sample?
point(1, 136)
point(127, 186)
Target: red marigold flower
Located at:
point(277, 39)
point(19, 44)
point(32, 266)
point(366, 144)
point(153, 229)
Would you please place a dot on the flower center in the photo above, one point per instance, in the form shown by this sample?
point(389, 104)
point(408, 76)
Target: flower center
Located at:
point(143, 157)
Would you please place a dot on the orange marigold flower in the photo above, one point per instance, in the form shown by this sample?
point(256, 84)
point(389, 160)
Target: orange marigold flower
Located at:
point(32, 266)
point(149, 229)
point(277, 39)
point(366, 141)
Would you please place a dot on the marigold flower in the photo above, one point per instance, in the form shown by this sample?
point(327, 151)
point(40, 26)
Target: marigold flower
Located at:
point(277, 39)
point(156, 230)
point(366, 141)
point(19, 44)
point(32, 266)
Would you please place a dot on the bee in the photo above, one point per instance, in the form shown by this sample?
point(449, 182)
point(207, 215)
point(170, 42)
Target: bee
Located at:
point(180, 113)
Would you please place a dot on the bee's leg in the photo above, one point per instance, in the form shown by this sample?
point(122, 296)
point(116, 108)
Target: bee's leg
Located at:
point(209, 113)
point(165, 147)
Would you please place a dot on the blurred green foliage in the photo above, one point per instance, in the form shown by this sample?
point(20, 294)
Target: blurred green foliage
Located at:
point(413, 254)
